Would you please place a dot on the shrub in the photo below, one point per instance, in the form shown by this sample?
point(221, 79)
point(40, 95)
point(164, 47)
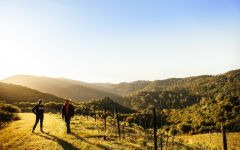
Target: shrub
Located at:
point(9, 108)
point(8, 113)
point(5, 116)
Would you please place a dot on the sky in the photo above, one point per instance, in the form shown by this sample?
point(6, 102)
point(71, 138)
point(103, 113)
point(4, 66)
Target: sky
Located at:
point(119, 40)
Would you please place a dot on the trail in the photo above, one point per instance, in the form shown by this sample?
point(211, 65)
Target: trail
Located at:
point(18, 136)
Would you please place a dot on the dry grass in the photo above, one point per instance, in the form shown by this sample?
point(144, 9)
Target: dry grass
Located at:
point(86, 134)
point(211, 141)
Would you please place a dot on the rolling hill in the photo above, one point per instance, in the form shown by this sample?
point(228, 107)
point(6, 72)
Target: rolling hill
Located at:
point(63, 87)
point(176, 92)
point(224, 83)
point(132, 88)
point(15, 93)
point(180, 93)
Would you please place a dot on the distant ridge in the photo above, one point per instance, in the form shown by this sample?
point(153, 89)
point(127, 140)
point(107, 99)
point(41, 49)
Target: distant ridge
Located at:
point(83, 91)
point(15, 93)
point(63, 87)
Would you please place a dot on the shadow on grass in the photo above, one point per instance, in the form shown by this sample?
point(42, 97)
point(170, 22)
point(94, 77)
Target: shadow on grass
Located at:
point(94, 136)
point(112, 137)
point(68, 146)
point(183, 146)
point(97, 145)
point(65, 145)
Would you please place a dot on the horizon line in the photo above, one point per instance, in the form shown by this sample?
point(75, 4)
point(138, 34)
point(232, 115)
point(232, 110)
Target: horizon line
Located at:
point(59, 77)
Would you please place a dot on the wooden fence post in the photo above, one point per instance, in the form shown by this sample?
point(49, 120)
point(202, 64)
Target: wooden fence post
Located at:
point(105, 123)
point(140, 120)
point(123, 132)
point(119, 132)
point(95, 115)
point(155, 129)
point(87, 112)
point(224, 137)
point(145, 124)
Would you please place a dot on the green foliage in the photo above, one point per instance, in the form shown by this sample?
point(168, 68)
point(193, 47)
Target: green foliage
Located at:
point(8, 113)
point(207, 116)
point(108, 104)
point(53, 106)
point(9, 108)
point(145, 101)
point(180, 93)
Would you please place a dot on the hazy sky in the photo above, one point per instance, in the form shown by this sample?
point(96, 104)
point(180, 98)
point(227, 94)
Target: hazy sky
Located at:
point(119, 40)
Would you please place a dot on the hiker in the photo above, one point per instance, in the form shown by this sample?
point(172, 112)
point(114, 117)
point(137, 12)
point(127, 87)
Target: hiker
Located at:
point(38, 110)
point(67, 113)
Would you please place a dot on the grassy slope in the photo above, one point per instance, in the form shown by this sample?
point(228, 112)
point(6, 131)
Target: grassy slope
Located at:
point(202, 141)
point(86, 135)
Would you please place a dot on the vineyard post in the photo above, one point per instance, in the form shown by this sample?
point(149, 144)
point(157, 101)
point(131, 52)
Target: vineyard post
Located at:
point(105, 123)
point(161, 136)
point(95, 115)
point(87, 112)
point(119, 132)
point(123, 132)
point(224, 137)
point(145, 124)
point(114, 116)
point(134, 119)
point(140, 120)
point(155, 129)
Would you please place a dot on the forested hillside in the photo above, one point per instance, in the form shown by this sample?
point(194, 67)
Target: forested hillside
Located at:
point(207, 116)
point(180, 93)
point(227, 83)
point(109, 105)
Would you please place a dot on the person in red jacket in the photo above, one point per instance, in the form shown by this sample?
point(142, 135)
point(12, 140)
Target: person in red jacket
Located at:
point(67, 114)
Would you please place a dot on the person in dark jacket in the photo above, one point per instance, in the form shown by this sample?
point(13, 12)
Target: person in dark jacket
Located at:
point(38, 110)
point(67, 114)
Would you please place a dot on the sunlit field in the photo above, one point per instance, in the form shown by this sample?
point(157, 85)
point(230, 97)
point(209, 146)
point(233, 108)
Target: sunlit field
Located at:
point(210, 141)
point(86, 134)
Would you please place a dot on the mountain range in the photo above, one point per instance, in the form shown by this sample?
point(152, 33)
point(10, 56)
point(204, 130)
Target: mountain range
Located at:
point(124, 93)
point(63, 87)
